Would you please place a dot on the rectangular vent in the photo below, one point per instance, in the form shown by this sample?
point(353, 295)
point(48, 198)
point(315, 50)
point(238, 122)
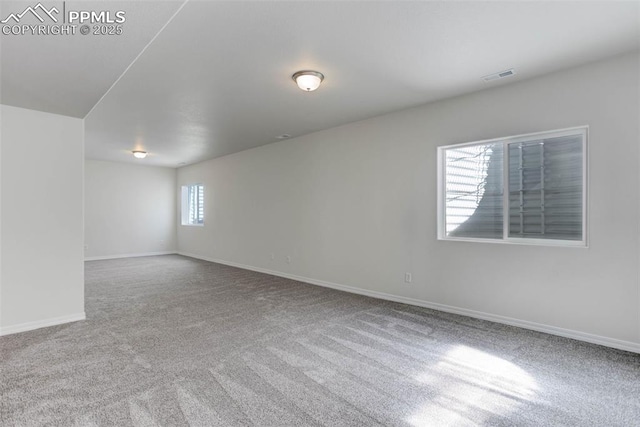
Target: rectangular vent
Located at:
point(500, 75)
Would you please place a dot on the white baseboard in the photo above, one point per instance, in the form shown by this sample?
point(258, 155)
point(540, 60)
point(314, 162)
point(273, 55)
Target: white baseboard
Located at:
point(29, 326)
point(99, 258)
point(553, 330)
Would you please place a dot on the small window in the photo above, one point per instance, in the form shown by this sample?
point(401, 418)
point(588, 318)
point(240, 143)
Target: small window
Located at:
point(545, 178)
point(193, 204)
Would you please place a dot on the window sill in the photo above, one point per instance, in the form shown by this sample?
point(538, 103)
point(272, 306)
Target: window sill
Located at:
point(522, 242)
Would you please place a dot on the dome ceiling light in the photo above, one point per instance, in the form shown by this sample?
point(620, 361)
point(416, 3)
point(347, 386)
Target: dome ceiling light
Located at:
point(308, 80)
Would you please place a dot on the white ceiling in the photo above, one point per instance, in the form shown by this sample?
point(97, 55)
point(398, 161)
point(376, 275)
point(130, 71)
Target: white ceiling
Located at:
point(217, 79)
point(69, 74)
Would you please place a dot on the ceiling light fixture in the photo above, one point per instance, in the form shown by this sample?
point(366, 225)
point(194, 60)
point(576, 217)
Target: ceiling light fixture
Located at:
point(139, 154)
point(308, 80)
point(500, 75)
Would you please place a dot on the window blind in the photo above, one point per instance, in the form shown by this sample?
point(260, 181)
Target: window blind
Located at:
point(474, 191)
point(545, 188)
point(196, 204)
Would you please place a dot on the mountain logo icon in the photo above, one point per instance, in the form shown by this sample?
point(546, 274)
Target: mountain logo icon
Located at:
point(38, 11)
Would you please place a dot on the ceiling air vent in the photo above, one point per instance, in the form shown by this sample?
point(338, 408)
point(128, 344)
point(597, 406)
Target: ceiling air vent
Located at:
point(500, 75)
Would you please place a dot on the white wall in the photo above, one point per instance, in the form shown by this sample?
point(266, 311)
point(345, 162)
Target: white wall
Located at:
point(129, 209)
point(356, 206)
point(42, 273)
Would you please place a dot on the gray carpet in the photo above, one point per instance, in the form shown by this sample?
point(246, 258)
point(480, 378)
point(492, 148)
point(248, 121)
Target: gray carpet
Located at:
point(173, 341)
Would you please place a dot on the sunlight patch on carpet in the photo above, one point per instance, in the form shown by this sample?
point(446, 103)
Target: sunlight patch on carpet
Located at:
point(474, 386)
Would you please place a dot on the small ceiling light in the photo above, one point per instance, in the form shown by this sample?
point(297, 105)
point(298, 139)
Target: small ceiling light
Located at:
point(139, 154)
point(308, 80)
point(500, 75)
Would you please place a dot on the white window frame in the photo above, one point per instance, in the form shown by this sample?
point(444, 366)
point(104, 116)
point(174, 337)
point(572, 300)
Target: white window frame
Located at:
point(185, 206)
point(505, 141)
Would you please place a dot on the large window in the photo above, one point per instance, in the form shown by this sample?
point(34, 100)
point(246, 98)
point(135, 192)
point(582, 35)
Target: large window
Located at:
point(545, 178)
point(193, 204)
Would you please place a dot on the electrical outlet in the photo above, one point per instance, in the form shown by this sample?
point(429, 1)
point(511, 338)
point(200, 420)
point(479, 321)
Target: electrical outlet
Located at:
point(288, 259)
point(273, 256)
point(407, 277)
